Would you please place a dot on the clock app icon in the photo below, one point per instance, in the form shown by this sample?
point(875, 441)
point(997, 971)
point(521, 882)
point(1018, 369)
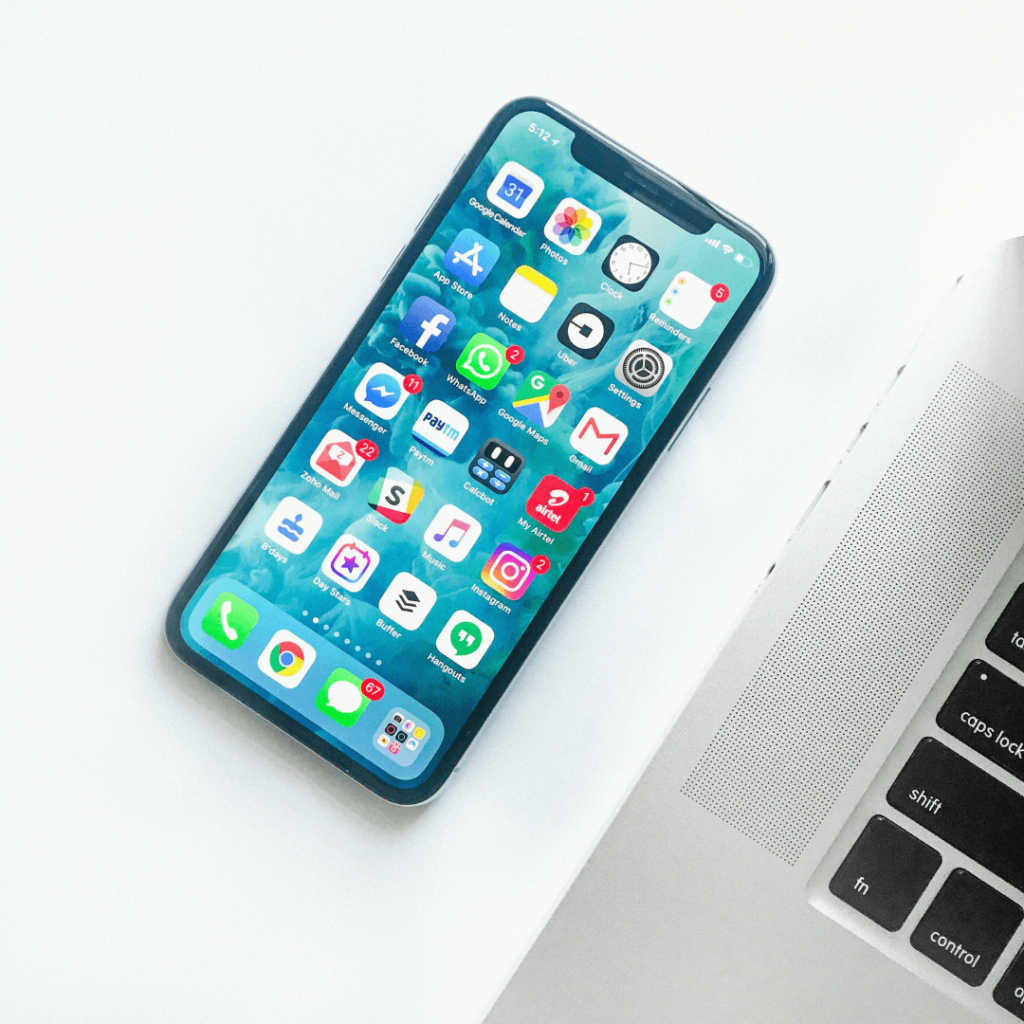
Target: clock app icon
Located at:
point(630, 262)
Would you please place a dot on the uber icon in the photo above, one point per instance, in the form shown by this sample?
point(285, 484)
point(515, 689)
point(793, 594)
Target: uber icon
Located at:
point(585, 330)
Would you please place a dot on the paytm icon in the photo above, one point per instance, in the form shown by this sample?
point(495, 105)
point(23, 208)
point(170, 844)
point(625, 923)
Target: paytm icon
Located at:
point(471, 257)
point(440, 427)
point(427, 324)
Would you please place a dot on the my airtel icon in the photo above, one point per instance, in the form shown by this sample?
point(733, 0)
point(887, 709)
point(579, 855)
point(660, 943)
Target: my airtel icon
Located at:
point(555, 503)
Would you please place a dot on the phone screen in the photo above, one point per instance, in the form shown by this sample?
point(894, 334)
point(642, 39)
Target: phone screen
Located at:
point(469, 446)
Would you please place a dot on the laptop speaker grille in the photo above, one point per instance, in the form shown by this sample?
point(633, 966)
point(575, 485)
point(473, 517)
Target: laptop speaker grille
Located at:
point(875, 612)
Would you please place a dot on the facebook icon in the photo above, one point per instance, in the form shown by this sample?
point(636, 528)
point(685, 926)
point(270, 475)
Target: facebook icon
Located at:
point(427, 324)
point(471, 257)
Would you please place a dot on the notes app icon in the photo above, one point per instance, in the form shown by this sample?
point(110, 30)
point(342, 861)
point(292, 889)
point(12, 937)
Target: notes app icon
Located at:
point(452, 533)
point(528, 294)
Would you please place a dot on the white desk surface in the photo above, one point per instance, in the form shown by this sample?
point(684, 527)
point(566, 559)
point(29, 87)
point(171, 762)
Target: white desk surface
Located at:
point(196, 201)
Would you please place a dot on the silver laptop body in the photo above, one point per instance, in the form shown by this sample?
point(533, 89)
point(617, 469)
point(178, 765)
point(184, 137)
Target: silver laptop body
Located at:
point(834, 829)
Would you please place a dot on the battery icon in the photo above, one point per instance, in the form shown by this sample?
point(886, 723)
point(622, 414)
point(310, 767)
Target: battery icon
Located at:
point(744, 260)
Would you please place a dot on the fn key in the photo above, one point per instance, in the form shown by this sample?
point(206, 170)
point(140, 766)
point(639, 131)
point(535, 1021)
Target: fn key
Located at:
point(885, 873)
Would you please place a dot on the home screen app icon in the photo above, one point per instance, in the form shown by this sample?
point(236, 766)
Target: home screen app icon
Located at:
point(335, 457)
point(427, 324)
point(598, 436)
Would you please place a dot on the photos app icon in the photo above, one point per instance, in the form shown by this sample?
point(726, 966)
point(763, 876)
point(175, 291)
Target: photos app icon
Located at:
point(572, 226)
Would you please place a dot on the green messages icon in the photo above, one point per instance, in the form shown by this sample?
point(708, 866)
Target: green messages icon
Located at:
point(230, 620)
point(342, 698)
point(483, 361)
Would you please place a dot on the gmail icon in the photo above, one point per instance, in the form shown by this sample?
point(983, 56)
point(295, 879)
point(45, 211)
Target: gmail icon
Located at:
point(599, 436)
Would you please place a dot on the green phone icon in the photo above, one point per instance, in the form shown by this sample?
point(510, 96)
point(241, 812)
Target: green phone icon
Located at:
point(230, 620)
point(483, 361)
point(342, 697)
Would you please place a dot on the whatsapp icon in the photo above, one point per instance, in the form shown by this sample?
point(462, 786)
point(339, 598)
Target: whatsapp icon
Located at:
point(483, 361)
point(465, 639)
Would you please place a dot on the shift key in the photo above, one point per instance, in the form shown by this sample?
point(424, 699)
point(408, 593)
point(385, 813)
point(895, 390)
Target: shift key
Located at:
point(964, 805)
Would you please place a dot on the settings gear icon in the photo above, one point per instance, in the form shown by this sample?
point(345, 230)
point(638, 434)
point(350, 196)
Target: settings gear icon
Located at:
point(644, 368)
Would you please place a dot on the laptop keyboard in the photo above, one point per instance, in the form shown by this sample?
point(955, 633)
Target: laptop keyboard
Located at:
point(967, 924)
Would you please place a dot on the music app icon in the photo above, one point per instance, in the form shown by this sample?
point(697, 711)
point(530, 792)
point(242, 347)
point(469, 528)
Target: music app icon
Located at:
point(452, 533)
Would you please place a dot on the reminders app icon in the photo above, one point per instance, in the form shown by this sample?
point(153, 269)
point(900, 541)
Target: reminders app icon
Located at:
point(688, 300)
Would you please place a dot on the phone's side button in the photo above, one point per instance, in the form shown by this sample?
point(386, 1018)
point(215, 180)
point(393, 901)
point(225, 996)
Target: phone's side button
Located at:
point(394, 263)
point(686, 419)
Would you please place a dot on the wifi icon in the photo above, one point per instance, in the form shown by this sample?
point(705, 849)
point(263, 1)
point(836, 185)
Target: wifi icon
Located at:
point(727, 249)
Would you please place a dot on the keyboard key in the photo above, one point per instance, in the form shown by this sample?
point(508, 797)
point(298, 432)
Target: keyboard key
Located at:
point(964, 805)
point(885, 873)
point(1009, 993)
point(967, 927)
point(986, 711)
point(1007, 636)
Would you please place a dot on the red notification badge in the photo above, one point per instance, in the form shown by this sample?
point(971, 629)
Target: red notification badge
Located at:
point(554, 503)
point(541, 564)
point(515, 354)
point(413, 384)
point(372, 689)
point(719, 292)
point(367, 450)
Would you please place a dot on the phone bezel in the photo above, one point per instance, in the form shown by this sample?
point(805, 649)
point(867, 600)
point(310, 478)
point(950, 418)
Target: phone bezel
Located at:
point(639, 179)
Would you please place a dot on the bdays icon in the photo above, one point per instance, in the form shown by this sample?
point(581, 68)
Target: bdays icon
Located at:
point(555, 503)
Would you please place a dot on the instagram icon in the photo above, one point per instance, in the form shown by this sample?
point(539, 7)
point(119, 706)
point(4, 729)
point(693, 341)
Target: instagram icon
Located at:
point(508, 571)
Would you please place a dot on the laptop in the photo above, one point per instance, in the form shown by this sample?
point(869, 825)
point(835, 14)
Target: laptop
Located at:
point(833, 830)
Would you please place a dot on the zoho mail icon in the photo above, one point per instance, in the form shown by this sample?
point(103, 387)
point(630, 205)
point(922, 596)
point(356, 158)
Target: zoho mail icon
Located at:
point(440, 427)
point(599, 436)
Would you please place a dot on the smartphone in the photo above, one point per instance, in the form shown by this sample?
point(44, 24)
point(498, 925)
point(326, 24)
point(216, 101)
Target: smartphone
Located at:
point(533, 350)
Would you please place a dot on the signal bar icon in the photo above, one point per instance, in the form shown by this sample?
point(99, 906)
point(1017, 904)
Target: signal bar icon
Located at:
point(713, 242)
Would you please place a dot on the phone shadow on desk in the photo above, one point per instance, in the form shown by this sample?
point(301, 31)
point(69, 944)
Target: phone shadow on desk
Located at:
point(275, 749)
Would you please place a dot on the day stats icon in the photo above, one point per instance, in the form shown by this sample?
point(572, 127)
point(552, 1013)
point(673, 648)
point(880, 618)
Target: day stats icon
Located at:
point(541, 398)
